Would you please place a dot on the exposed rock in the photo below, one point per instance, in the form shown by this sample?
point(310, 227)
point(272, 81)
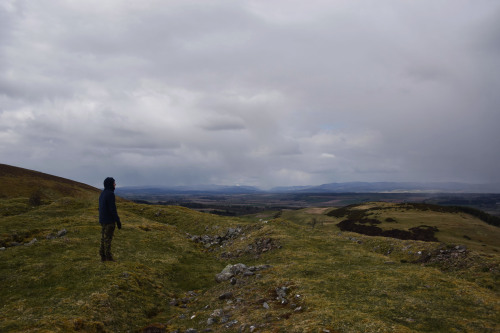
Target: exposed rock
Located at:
point(231, 271)
point(259, 246)
point(33, 241)
point(217, 240)
point(227, 295)
point(217, 313)
point(62, 232)
point(266, 306)
point(281, 294)
point(456, 257)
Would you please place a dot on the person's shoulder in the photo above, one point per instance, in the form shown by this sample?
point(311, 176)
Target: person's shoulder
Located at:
point(107, 193)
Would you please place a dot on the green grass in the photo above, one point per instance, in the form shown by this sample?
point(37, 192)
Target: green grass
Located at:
point(343, 282)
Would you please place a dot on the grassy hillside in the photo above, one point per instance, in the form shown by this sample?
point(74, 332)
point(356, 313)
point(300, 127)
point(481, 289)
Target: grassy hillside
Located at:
point(19, 182)
point(319, 278)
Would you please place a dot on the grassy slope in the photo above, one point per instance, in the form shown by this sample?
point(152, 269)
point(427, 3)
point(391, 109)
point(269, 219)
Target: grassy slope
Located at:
point(343, 282)
point(19, 182)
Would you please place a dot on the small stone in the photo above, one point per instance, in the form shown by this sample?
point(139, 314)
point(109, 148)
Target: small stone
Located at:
point(191, 330)
point(252, 329)
point(298, 309)
point(224, 276)
point(2, 248)
point(211, 321)
point(233, 281)
point(216, 313)
point(265, 305)
point(62, 232)
point(227, 295)
point(33, 241)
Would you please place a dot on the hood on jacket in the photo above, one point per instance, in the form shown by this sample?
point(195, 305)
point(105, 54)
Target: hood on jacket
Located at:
point(108, 183)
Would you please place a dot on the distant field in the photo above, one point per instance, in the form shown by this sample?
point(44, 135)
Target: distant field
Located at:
point(242, 204)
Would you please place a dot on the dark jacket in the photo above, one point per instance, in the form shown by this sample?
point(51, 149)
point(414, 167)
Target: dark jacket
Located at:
point(107, 207)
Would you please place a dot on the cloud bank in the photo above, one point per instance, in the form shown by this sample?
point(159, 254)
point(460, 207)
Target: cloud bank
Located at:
point(251, 92)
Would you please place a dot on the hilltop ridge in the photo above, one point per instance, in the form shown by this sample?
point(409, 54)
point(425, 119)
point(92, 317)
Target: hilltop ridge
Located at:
point(20, 182)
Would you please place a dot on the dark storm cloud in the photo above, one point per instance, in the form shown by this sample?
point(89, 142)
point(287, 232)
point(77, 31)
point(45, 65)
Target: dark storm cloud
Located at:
point(251, 92)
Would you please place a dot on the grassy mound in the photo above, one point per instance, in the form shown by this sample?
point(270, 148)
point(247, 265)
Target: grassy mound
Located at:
point(38, 186)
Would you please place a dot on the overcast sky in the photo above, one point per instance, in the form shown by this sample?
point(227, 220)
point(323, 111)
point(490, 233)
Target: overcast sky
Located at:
point(264, 93)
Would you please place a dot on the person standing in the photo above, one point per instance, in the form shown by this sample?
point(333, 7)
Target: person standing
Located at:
point(108, 216)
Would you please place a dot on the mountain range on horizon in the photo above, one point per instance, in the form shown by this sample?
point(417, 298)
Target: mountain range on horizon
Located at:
point(344, 187)
point(339, 187)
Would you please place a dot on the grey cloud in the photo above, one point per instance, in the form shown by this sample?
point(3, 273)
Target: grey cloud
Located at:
point(265, 93)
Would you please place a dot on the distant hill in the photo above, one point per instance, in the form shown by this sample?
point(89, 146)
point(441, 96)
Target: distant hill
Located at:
point(347, 187)
point(20, 182)
point(396, 187)
point(195, 189)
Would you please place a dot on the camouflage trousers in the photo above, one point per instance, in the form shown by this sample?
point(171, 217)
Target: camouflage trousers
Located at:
point(106, 238)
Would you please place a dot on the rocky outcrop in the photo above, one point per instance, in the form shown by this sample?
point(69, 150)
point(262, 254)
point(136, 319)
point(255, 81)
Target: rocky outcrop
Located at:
point(456, 257)
point(218, 240)
point(258, 247)
point(232, 271)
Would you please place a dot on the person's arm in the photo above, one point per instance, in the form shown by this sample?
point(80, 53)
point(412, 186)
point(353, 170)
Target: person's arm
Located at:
point(114, 212)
